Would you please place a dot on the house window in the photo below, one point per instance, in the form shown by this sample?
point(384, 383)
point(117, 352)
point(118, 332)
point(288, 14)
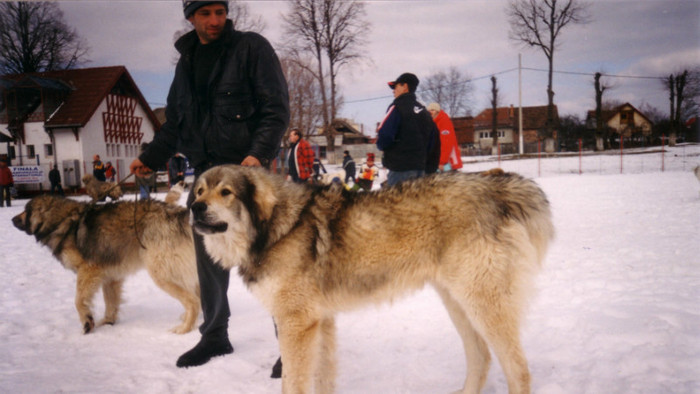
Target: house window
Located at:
point(11, 152)
point(30, 152)
point(627, 117)
point(48, 150)
point(489, 134)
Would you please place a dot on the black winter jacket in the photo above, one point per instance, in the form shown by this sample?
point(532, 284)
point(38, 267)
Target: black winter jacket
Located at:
point(247, 112)
point(409, 137)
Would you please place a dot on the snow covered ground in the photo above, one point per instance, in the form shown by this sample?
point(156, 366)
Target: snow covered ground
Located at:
point(617, 309)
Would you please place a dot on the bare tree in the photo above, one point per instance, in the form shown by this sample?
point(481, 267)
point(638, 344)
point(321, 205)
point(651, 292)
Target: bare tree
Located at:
point(304, 96)
point(538, 23)
point(451, 89)
point(304, 38)
point(344, 36)
point(243, 19)
point(691, 106)
point(332, 32)
point(494, 116)
point(34, 38)
point(683, 89)
point(602, 132)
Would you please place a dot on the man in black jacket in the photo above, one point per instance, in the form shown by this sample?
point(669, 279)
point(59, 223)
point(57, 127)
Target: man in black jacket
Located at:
point(407, 135)
point(228, 104)
point(176, 169)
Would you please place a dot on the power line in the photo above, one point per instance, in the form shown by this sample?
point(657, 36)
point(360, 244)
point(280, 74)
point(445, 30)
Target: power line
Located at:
point(458, 82)
point(593, 74)
point(587, 74)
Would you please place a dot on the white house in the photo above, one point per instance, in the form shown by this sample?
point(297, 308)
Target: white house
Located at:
point(66, 117)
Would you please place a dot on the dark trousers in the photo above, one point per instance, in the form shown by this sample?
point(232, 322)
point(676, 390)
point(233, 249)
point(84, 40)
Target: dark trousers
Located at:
point(349, 177)
point(5, 195)
point(56, 188)
point(213, 285)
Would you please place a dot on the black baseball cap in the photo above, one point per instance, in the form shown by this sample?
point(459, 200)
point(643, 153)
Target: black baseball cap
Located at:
point(406, 78)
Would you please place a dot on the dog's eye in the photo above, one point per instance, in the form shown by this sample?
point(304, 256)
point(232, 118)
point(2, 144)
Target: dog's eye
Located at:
point(200, 191)
point(225, 192)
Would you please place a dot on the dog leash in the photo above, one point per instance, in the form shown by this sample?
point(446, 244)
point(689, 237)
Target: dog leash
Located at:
point(106, 192)
point(136, 220)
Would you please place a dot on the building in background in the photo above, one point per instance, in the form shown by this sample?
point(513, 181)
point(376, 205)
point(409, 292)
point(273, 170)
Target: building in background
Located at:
point(66, 117)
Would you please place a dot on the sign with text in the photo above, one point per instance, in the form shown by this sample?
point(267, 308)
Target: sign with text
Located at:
point(27, 174)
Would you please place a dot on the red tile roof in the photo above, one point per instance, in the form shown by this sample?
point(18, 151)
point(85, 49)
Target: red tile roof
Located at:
point(464, 129)
point(533, 117)
point(90, 86)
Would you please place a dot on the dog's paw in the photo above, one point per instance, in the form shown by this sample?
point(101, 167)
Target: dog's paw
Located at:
point(182, 328)
point(105, 321)
point(88, 324)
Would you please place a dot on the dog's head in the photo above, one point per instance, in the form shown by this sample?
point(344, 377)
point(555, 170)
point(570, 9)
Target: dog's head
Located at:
point(231, 209)
point(230, 195)
point(87, 178)
point(44, 214)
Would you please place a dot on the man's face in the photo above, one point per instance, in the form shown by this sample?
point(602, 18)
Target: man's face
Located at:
point(293, 138)
point(399, 89)
point(209, 22)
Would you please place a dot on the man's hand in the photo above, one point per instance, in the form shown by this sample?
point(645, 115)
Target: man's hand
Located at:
point(251, 161)
point(139, 169)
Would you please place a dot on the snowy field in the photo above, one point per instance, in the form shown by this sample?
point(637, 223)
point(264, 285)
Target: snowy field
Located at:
point(617, 311)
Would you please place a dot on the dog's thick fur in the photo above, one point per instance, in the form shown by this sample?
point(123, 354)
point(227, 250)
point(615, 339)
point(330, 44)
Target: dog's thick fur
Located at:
point(98, 190)
point(308, 253)
point(105, 243)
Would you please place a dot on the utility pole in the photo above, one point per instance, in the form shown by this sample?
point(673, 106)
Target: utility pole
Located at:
point(520, 102)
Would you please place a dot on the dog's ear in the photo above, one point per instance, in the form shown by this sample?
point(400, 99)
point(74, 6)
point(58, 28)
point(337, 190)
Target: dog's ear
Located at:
point(263, 196)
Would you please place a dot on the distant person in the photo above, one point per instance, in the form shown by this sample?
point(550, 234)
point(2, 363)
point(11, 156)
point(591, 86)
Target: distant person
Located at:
point(98, 168)
point(349, 167)
point(318, 167)
point(407, 135)
point(301, 157)
point(6, 183)
point(55, 180)
point(450, 154)
point(147, 182)
point(177, 165)
point(110, 172)
point(368, 173)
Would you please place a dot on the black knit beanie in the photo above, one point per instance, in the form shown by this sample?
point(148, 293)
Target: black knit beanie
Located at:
point(189, 7)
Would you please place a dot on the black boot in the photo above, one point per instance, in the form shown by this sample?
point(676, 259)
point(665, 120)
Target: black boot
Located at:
point(207, 348)
point(277, 369)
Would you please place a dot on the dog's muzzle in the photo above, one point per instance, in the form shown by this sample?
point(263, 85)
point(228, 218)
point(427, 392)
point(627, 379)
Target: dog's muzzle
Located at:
point(20, 222)
point(201, 220)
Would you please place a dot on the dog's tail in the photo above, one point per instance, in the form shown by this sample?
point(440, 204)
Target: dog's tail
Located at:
point(524, 201)
point(173, 196)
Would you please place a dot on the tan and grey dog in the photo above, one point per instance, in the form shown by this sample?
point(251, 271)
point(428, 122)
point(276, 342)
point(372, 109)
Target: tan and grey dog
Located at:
point(98, 190)
point(105, 243)
point(308, 253)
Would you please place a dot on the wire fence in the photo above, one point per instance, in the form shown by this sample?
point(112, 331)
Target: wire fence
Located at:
point(683, 157)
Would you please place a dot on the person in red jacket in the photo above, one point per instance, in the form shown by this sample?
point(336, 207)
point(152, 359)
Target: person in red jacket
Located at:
point(6, 182)
point(301, 157)
point(450, 154)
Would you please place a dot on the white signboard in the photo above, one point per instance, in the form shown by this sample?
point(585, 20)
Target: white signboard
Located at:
point(27, 174)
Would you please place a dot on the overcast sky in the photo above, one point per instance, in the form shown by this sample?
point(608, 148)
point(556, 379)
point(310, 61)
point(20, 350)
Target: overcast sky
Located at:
point(640, 38)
